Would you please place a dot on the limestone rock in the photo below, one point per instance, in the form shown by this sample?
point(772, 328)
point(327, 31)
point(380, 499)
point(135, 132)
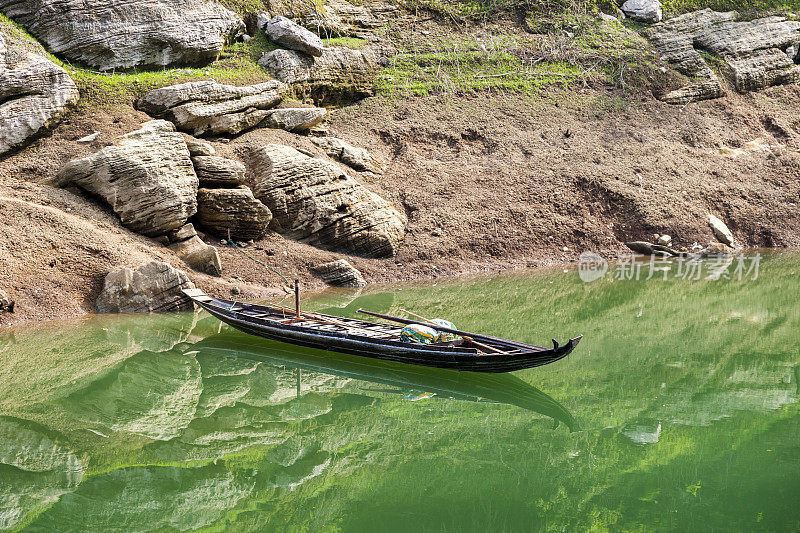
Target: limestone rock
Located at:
point(339, 74)
point(154, 286)
point(643, 10)
point(664, 240)
point(314, 201)
point(753, 50)
point(296, 120)
point(198, 255)
point(120, 34)
point(146, 176)
point(197, 148)
point(213, 171)
point(340, 273)
point(35, 93)
point(183, 234)
point(210, 108)
point(290, 35)
point(721, 231)
point(234, 210)
point(356, 158)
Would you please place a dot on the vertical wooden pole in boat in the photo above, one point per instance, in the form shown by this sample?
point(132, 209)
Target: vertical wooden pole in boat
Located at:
point(297, 298)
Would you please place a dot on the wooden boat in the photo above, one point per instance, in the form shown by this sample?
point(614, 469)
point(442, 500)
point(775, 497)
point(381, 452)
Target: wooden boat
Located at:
point(473, 352)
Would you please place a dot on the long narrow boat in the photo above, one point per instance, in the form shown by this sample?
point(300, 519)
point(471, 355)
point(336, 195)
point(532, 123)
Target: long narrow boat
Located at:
point(473, 352)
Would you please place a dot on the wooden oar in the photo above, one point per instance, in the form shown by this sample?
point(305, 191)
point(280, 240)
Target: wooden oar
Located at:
point(323, 319)
point(425, 322)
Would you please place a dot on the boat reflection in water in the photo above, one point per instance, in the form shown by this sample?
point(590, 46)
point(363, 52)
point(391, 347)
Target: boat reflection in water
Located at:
point(411, 381)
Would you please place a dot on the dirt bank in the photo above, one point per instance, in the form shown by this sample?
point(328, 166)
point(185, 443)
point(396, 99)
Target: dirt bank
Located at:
point(488, 182)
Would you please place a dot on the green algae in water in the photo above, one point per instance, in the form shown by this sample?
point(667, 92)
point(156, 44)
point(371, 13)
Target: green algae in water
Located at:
point(678, 411)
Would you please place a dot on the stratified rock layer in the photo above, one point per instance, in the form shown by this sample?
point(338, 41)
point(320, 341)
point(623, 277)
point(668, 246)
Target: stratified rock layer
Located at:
point(232, 210)
point(211, 108)
point(120, 34)
point(213, 171)
point(314, 201)
point(755, 51)
point(146, 176)
point(155, 286)
point(339, 74)
point(35, 93)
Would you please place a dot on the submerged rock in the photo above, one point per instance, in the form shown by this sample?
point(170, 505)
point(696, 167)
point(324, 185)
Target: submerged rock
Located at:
point(35, 93)
point(716, 249)
point(721, 231)
point(152, 287)
point(339, 273)
point(356, 158)
point(211, 108)
point(314, 201)
point(146, 176)
point(234, 212)
point(119, 34)
point(290, 35)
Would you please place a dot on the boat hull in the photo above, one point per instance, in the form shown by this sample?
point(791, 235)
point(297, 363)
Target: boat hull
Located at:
point(525, 356)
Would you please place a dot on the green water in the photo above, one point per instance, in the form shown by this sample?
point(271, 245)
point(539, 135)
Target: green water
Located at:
point(678, 411)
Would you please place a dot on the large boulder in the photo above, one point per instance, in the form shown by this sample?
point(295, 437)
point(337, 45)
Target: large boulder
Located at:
point(754, 51)
point(339, 273)
point(146, 177)
point(211, 108)
point(339, 74)
point(720, 230)
point(356, 158)
point(213, 171)
point(153, 287)
point(312, 200)
point(290, 35)
point(35, 93)
point(237, 211)
point(120, 34)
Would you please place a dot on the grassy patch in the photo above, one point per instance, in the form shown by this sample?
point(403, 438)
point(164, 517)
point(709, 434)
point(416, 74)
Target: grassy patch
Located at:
point(349, 42)
point(237, 66)
point(747, 7)
point(591, 52)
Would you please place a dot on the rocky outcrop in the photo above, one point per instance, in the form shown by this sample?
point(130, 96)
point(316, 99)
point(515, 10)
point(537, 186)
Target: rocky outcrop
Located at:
point(356, 158)
point(755, 51)
point(286, 33)
point(720, 230)
point(210, 108)
point(339, 74)
point(35, 93)
point(314, 201)
point(342, 18)
point(153, 287)
point(213, 171)
point(339, 273)
point(119, 34)
point(643, 10)
point(146, 177)
point(237, 211)
point(296, 120)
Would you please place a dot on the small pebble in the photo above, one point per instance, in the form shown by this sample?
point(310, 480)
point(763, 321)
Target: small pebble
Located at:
point(236, 290)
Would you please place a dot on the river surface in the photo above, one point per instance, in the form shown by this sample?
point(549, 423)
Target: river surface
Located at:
point(677, 412)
